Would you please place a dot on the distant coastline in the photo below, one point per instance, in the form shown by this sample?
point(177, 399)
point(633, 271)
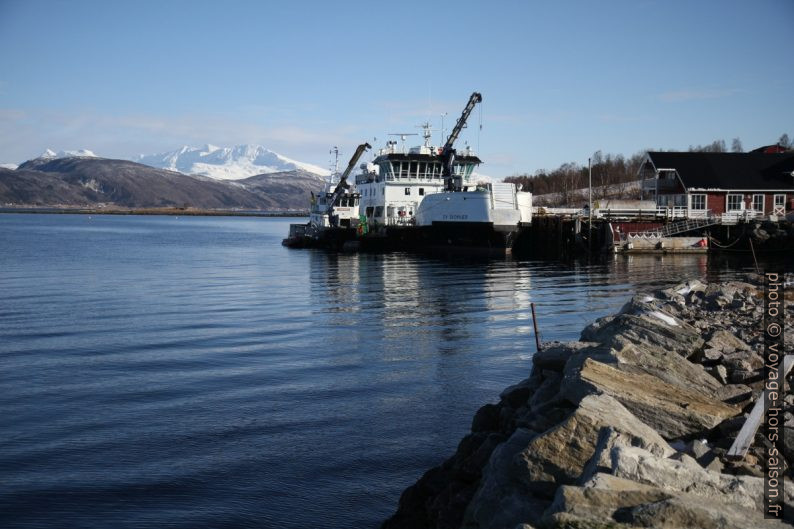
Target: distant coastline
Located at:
point(153, 211)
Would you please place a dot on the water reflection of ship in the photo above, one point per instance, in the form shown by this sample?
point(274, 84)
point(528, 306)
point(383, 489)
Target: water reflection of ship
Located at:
point(399, 305)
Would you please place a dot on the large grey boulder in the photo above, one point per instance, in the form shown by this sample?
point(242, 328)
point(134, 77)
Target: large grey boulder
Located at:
point(667, 366)
point(520, 479)
point(661, 363)
point(642, 489)
point(594, 505)
point(559, 455)
point(673, 411)
point(554, 355)
point(636, 464)
point(502, 501)
point(651, 328)
point(726, 342)
point(618, 504)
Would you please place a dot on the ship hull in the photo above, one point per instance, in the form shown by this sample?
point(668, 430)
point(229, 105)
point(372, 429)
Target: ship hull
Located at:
point(327, 239)
point(444, 237)
point(470, 237)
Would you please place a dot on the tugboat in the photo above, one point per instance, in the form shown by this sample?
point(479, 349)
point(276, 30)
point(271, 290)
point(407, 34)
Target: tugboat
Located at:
point(333, 217)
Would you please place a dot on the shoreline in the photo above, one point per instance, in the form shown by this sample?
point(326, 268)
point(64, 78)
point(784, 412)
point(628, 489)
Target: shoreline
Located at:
point(628, 427)
point(155, 211)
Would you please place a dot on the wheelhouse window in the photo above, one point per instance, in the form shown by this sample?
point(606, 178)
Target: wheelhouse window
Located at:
point(421, 191)
point(407, 190)
point(758, 203)
point(698, 202)
point(735, 202)
point(387, 170)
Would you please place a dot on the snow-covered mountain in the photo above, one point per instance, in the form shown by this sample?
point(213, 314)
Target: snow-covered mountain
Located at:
point(227, 163)
point(80, 153)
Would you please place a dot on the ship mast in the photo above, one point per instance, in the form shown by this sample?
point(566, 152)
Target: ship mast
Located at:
point(335, 170)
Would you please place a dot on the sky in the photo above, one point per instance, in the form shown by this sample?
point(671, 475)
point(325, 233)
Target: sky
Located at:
point(559, 79)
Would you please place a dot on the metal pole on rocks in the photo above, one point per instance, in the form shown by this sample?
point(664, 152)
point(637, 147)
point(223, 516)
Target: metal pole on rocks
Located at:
point(535, 325)
point(757, 270)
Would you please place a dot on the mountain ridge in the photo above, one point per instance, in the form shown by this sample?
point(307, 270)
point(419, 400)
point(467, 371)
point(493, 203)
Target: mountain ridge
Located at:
point(227, 163)
point(91, 181)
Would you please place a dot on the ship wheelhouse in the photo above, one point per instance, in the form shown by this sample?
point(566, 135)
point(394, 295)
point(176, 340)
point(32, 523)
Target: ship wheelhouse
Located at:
point(393, 185)
point(345, 208)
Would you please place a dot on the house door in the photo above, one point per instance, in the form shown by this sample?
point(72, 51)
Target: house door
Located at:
point(779, 207)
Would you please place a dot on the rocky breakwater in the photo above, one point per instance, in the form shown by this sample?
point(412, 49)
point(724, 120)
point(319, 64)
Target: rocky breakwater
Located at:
point(628, 427)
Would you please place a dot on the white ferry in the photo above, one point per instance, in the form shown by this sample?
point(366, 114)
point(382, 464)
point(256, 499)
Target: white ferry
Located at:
point(433, 189)
point(424, 197)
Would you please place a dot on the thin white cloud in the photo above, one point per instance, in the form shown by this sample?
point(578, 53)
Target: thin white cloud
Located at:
point(677, 96)
point(24, 134)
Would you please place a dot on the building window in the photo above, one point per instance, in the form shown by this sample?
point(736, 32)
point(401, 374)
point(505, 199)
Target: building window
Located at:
point(421, 191)
point(758, 203)
point(407, 190)
point(382, 190)
point(698, 202)
point(735, 202)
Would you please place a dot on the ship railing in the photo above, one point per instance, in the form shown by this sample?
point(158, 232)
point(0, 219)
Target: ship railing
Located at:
point(400, 221)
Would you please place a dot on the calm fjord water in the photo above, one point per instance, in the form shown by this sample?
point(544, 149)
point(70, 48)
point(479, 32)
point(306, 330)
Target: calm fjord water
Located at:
point(191, 372)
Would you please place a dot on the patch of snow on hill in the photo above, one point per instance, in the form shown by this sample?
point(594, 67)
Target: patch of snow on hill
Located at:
point(80, 153)
point(227, 163)
point(11, 166)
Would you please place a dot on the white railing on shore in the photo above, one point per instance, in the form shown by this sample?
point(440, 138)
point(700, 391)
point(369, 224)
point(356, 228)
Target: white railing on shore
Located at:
point(660, 213)
point(733, 217)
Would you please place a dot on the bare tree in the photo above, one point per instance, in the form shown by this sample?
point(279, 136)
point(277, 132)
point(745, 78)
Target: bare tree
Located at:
point(785, 142)
point(736, 145)
point(715, 146)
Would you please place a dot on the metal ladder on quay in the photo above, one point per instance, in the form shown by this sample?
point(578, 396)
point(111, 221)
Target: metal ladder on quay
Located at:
point(682, 226)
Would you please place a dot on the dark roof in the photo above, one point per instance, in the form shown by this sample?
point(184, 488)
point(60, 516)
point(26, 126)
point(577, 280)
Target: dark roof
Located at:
point(728, 170)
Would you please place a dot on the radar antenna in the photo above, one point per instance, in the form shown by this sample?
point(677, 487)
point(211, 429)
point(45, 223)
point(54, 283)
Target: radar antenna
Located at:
point(402, 136)
point(427, 132)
